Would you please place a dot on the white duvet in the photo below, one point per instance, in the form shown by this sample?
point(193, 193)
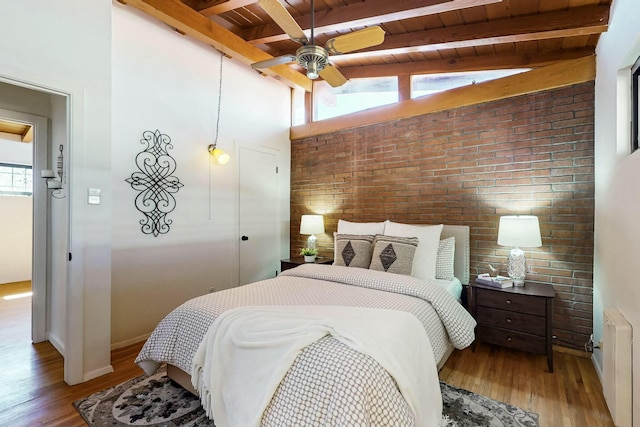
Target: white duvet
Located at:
point(247, 351)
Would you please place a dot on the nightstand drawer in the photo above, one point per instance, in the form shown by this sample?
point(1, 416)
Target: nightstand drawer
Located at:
point(511, 302)
point(516, 340)
point(512, 320)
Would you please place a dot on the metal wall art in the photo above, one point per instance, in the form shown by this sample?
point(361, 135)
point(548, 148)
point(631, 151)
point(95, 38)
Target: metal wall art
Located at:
point(155, 182)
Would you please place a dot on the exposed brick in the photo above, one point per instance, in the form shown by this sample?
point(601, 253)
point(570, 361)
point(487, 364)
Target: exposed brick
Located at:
point(531, 154)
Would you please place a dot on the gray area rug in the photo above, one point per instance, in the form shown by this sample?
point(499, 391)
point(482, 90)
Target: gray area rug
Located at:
point(156, 401)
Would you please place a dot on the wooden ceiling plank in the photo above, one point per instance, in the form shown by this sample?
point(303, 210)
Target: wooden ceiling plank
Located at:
point(578, 22)
point(361, 14)
point(27, 135)
point(225, 7)
point(479, 63)
point(183, 18)
point(550, 77)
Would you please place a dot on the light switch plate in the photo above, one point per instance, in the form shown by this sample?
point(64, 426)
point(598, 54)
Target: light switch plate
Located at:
point(93, 196)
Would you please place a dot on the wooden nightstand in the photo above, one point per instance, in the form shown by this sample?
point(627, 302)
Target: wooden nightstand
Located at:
point(519, 317)
point(286, 264)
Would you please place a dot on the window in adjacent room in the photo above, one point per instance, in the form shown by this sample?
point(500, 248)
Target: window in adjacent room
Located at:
point(428, 84)
point(15, 180)
point(355, 95)
point(635, 107)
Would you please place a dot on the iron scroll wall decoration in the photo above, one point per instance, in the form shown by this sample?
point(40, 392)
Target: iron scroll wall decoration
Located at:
point(155, 182)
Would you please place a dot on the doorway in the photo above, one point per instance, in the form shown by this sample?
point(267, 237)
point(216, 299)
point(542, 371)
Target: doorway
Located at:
point(29, 205)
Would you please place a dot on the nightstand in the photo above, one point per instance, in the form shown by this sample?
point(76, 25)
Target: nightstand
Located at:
point(518, 317)
point(286, 264)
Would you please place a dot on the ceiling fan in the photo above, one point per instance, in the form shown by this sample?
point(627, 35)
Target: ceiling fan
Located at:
point(315, 59)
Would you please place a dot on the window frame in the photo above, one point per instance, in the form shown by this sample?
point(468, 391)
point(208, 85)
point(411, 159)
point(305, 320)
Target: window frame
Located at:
point(17, 193)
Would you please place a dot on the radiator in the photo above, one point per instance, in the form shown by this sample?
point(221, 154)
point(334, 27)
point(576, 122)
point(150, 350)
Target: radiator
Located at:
point(616, 352)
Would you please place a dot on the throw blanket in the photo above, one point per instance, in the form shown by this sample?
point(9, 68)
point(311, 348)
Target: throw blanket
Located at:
point(247, 351)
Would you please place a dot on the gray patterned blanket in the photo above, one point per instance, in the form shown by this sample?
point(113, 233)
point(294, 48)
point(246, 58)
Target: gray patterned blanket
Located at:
point(329, 383)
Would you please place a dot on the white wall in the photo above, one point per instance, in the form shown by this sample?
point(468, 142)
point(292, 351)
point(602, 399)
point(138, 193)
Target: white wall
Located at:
point(15, 245)
point(165, 81)
point(68, 50)
point(15, 220)
point(617, 225)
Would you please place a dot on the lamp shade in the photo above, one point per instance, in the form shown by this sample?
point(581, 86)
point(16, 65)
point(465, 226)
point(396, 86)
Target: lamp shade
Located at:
point(519, 231)
point(312, 224)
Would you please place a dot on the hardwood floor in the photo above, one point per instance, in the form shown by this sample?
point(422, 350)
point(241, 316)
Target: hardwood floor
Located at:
point(33, 392)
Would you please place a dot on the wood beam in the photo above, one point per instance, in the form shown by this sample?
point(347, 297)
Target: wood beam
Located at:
point(575, 22)
point(186, 20)
point(226, 6)
point(545, 78)
point(480, 63)
point(372, 12)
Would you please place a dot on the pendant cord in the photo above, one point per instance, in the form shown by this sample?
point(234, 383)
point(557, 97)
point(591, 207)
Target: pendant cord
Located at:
point(215, 141)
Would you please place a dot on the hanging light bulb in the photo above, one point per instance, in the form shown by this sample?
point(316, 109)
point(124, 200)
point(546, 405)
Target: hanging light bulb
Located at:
point(219, 154)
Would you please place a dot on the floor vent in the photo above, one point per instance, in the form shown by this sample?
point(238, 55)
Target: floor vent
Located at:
point(616, 342)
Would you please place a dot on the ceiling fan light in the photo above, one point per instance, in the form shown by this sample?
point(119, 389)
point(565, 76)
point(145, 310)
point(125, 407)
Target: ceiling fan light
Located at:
point(312, 70)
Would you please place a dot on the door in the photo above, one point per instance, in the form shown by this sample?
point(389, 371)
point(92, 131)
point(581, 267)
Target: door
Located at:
point(258, 214)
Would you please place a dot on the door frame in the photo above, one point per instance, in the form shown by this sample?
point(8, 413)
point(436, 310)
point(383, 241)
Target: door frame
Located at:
point(40, 226)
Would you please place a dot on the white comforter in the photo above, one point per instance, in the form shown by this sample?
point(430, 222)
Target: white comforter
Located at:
point(329, 383)
point(247, 352)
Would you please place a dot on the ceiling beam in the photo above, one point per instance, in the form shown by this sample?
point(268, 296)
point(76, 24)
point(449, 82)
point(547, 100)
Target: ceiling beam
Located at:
point(575, 22)
point(360, 14)
point(479, 63)
point(216, 8)
point(187, 21)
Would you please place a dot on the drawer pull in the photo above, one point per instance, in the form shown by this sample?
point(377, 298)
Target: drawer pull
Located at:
point(508, 320)
point(508, 301)
point(508, 339)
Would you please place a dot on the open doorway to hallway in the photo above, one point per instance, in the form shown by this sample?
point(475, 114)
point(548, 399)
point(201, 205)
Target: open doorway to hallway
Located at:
point(16, 225)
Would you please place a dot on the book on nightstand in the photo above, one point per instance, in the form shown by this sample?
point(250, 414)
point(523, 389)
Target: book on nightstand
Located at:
point(496, 282)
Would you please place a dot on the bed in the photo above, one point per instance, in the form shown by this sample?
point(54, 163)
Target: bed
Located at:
point(328, 378)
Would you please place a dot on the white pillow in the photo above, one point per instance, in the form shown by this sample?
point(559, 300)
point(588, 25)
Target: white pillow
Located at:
point(370, 228)
point(424, 261)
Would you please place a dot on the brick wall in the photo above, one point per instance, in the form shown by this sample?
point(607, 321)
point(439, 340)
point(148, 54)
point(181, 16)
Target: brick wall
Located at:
point(530, 154)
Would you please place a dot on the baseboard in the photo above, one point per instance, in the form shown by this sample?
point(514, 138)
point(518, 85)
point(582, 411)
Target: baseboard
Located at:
point(97, 373)
point(130, 341)
point(56, 343)
point(596, 359)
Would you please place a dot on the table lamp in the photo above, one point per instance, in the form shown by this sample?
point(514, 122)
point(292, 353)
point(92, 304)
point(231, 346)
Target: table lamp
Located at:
point(312, 224)
point(518, 231)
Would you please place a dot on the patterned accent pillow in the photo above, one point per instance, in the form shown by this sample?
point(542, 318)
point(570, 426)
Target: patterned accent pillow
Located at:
point(353, 250)
point(424, 264)
point(444, 261)
point(393, 254)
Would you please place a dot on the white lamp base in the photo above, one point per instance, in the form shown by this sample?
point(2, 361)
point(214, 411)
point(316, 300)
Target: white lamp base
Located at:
point(517, 266)
point(311, 242)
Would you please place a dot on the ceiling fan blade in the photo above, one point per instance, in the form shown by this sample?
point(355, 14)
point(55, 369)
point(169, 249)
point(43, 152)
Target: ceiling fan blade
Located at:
point(360, 39)
point(331, 75)
point(268, 63)
point(283, 18)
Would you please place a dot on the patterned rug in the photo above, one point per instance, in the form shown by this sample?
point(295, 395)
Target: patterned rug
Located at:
point(156, 401)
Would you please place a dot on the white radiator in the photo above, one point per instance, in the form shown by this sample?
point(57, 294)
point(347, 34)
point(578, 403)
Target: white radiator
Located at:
point(616, 352)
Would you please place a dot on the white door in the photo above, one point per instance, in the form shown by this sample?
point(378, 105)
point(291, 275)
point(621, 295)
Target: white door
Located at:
point(258, 214)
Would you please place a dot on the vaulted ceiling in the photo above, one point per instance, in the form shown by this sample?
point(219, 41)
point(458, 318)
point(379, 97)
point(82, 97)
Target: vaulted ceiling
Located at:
point(421, 36)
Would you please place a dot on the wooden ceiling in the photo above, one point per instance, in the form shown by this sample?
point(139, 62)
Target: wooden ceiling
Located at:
point(14, 131)
point(422, 36)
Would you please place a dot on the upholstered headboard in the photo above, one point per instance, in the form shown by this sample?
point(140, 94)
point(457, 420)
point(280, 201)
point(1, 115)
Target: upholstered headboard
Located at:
point(461, 257)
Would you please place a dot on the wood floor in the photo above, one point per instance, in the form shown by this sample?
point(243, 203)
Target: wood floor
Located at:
point(33, 392)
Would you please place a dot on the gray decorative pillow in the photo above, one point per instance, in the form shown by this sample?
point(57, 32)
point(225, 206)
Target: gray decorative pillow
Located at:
point(393, 254)
point(444, 261)
point(353, 250)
